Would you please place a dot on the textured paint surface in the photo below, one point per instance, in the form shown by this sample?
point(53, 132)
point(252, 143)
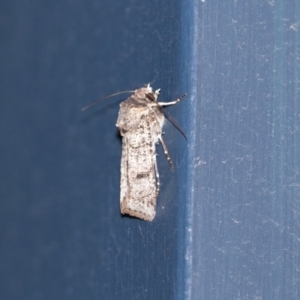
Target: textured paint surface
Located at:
point(227, 225)
point(65, 237)
point(244, 223)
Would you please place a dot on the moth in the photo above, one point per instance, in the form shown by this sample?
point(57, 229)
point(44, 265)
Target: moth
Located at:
point(140, 121)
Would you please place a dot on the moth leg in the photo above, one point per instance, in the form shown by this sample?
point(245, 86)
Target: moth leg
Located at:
point(172, 102)
point(166, 151)
point(157, 175)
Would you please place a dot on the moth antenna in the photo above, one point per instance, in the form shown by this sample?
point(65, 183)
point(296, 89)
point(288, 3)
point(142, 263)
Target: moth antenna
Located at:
point(97, 102)
point(168, 116)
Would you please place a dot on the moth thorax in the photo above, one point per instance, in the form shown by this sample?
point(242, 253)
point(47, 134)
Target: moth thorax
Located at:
point(151, 96)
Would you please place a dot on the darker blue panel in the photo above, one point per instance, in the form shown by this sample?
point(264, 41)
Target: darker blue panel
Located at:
point(64, 236)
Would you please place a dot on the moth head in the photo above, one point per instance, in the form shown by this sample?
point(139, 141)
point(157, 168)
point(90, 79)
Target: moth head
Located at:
point(147, 92)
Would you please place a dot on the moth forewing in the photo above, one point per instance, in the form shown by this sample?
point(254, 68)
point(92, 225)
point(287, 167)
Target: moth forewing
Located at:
point(140, 123)
point(140, 127)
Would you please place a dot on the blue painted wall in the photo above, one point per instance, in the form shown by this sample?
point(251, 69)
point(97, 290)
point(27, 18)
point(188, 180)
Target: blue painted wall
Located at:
point(244, 218)
point(227, 224)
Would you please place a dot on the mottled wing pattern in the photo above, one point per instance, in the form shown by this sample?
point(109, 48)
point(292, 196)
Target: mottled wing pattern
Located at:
point(139, 188)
